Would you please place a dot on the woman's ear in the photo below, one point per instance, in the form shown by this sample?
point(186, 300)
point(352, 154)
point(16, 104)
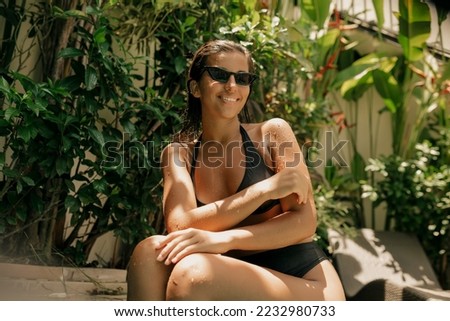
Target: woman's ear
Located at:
point(193, 88)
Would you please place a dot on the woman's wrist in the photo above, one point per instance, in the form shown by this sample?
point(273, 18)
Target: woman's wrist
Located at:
point(264, 190)
point(233, 239)
point(227, 239)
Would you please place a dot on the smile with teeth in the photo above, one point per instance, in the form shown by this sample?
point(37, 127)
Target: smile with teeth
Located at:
point(229, 99)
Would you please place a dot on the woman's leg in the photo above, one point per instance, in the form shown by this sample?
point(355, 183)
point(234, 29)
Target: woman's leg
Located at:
point(217, 277)
point(146, 277)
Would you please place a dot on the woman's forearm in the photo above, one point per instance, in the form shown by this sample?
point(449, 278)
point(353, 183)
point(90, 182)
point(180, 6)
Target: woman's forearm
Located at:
point(285, 229)
point(222, 214)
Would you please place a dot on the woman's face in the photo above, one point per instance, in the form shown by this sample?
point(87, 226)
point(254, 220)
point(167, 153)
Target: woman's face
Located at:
point(223, 100)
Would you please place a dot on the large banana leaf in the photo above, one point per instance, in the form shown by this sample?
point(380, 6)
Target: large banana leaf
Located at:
point(414, 24)
point(316, 10)
point(354, 81)
point(388, 88)
point(378, 5)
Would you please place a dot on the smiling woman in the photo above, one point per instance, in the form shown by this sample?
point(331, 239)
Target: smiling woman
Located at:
point(256, 215)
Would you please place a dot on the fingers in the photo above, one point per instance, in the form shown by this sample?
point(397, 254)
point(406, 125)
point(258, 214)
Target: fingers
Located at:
point(301, 183)
point(178, 244)
point(291, 181)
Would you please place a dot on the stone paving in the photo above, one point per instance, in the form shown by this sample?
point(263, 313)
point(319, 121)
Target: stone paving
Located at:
point(22, 282)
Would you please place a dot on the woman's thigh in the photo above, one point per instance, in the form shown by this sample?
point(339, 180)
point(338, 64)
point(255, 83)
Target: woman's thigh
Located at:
point(205, 276)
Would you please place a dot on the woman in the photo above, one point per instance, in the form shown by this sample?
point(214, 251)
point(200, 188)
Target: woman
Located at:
point(237, 201)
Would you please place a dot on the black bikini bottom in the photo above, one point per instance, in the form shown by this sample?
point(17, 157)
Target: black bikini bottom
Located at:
point(294, 260)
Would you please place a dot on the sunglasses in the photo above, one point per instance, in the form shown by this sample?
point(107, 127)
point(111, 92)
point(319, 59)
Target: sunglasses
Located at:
point(222, 76)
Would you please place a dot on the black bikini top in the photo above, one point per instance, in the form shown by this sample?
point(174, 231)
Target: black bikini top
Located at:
point(255, 170)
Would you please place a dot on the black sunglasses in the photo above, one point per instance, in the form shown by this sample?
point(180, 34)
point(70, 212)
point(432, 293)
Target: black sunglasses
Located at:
point(222, 75)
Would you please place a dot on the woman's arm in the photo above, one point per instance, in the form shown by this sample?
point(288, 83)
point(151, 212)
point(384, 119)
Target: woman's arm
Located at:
point(298, 222)
point(179, 202)
point(289, 228)
point(286, 229)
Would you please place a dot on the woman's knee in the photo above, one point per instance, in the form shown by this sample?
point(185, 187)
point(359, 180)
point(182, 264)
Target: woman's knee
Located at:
point(144, 254)
point(192, 278)
point(146, 277)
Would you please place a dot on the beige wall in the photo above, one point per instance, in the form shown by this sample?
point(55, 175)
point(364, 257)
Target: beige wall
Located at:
point(372, 137)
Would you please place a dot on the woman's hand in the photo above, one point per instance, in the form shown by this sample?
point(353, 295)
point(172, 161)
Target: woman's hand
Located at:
point(290, 181)
point(181, 243)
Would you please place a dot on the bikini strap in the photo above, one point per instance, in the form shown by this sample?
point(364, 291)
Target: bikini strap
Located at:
point(194, 156)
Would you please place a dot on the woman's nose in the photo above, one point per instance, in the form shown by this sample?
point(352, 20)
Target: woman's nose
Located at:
point(231, 83)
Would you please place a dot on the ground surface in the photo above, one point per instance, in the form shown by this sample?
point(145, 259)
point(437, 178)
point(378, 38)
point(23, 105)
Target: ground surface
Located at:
point(42, 283)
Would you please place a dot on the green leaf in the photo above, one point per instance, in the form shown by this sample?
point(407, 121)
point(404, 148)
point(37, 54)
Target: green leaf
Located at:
point(76, 14)
point(355, 80)
point(100, 35)
point(358, 167)
point(90, 78)
point(10, 172)
point(189, 21)
point(389, 89)
point(36, 202)
point(4, 86)
point(100, 185)
point(97, 136)
point(19, 187)
point(61, 165)
point(180, 64)
point(128, 126)
point(87, 195)
point(27, 83)
point(446, 72)
point(414, 28)
point(70, 185)
point(24, 132)
point(70, 53)
point(39, 105)
point(67, 143)
point(326, 43)
point(442, 13)
point(378, 5)
point(21, 213)
point(317, 11)
point(2, 160)
point(12, 220)
point(357, 70)
point(5, 127)
point(71, 83)
point(11, 112)
point(330, 171)
point(72, 204)
point(29, 181)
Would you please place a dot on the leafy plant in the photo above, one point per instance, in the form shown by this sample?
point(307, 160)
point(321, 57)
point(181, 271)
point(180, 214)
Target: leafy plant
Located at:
point(79, 154)
point(417, 194)
point(410, 84)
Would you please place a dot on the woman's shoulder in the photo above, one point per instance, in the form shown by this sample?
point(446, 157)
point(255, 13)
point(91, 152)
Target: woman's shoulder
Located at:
point(273, 128)
point(276, 124)
point(177, 151)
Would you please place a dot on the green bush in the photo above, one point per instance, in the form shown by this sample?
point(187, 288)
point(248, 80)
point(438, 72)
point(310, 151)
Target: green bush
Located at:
point(417, 194)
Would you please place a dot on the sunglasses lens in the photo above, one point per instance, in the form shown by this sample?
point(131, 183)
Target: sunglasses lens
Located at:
point(241, 78)
point(219, 74)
